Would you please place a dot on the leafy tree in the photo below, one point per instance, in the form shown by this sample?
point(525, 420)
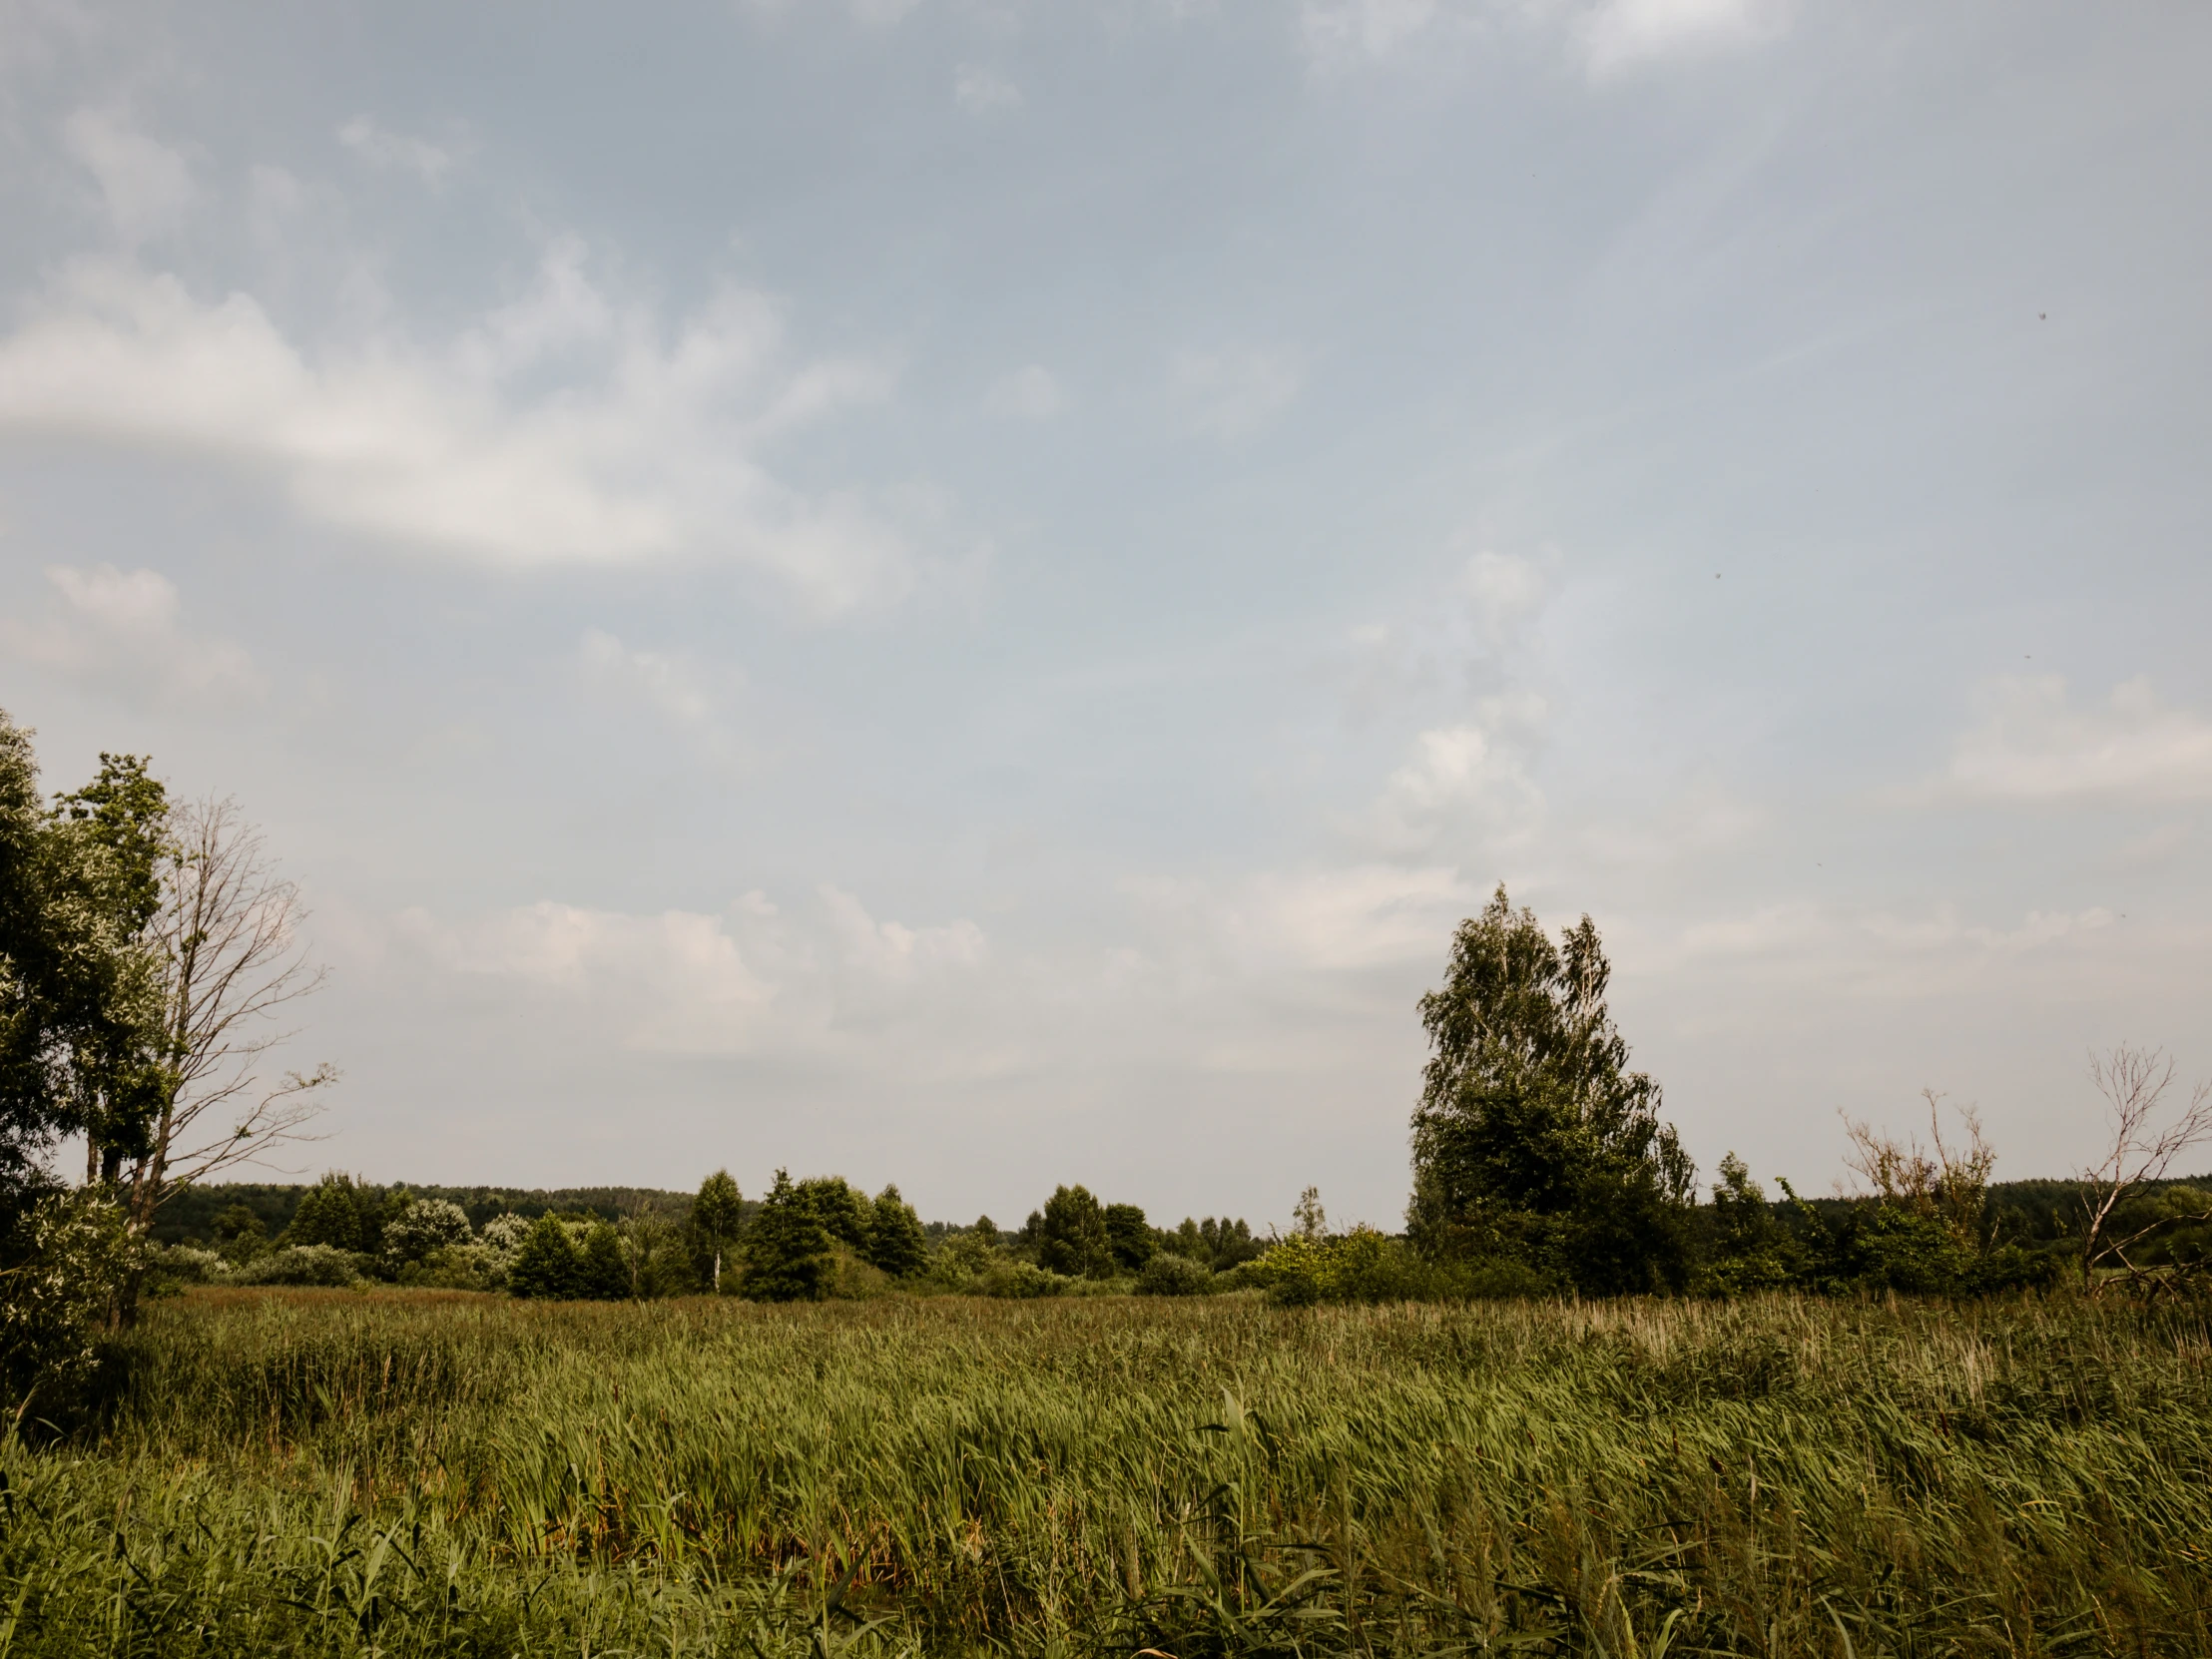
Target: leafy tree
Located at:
point(79, 994)
point(602, 1273)
point(717, 1215)
point(1128, 1239)
point(1532, 1139)
point(1750, 1248)
point(547, 1265)
point(240, 1234)
point(896, 1244)
point(1071, 1235)
point(339, 1212)
point(841, 1208)
point(786, 1248)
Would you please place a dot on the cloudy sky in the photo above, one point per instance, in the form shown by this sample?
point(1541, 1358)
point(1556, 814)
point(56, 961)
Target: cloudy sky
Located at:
point(964, 591)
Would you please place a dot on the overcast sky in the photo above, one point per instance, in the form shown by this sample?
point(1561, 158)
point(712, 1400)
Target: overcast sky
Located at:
point(963, 593)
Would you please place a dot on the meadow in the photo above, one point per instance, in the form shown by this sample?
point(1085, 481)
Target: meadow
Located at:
point(415, 1472)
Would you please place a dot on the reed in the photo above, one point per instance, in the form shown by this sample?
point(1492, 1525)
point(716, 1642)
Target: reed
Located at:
point(443, 1473)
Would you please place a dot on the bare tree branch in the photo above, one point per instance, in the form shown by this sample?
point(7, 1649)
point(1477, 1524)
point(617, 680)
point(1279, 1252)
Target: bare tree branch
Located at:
point(231, 961)
point(2133, 1082)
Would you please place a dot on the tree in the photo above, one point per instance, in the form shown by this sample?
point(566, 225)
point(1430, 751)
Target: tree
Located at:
point(1071, 1235)
point(1128, 1239)
point(717, 1215)
point(2133, 1082)
point(79, 993)
point(786, 1249)
point(1311, 1219)
point(1951, 1188)
point(547, 1266)
point(1532, 1140)
point(231, 960)
point(896, 1244)
point(602, 1273)
point(338, 1212)
point(840, 1206)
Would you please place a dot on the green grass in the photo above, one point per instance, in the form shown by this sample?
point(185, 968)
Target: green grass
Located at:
point(402, 1473)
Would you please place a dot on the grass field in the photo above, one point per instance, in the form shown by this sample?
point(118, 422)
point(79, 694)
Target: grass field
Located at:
point(414, 1473)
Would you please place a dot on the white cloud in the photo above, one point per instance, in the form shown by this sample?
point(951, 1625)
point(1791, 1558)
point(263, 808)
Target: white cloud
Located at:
point(381, 147)
point(1029, 394)
point(982, 91)
point(673, 983)
point(145, 185)
point(1623, 34)
point(1233, 393)
point(2032, 746)
point(125, 628)
point(744, 980)
point(892, 951)
point(1466, 785)
point(563, 430)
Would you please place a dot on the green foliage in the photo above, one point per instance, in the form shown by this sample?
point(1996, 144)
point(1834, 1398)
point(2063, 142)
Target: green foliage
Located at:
point(1748, 1249)
point(786, 1249)
point(1129, 1239)
point(338, 1212)
point(840, 1208)
point(423, 1226)
point(1167, 1274)
point(62, 1264)
point(1532, 1141)
point(548, 1265)
point(79, 1004)
point(716, 1218)
point(1071, 1237)
point(896, 1243)
point(603, 1274)
point(300, 1264)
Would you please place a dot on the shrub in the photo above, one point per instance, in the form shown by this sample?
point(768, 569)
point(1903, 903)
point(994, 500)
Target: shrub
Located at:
point(504, 1232)
point(1167, 1274)
point(323, 1265)
point(424, 1226)
point(61, 1267)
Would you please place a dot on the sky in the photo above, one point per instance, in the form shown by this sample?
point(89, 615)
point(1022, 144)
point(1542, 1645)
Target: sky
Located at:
point(963, 592)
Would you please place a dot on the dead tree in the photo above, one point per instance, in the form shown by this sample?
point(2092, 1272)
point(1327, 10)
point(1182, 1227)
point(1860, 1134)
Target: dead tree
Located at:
point(1951, 1186)
point(231, 961)
point(2133, 1082)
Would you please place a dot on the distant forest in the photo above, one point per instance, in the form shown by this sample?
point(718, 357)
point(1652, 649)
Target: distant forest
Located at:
point(2037, 1212)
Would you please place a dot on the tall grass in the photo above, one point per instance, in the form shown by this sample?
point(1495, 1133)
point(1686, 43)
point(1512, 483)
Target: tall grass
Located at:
point(334, 1472)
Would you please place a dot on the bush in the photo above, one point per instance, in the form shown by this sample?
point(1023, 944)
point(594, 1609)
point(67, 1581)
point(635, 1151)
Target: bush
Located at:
point(61, 1265)
point(426, 1224)
point(1167, 1274)
point(1020, 1281)
point(323, 1265)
